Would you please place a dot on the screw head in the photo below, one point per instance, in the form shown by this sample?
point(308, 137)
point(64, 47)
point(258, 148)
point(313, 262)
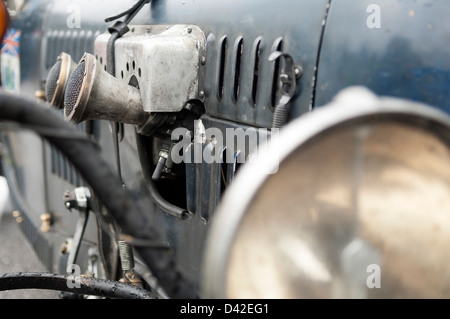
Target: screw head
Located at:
point(298, 71)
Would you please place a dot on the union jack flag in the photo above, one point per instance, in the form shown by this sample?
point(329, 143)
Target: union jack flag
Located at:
point(11, 42)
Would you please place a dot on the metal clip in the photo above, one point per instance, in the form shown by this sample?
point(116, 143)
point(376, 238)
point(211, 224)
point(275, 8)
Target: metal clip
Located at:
point(288, 86)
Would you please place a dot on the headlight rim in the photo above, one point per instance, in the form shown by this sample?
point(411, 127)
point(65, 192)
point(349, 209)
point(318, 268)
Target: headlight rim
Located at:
point(354, 104)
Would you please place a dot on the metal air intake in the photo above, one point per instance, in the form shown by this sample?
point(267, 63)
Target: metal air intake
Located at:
point(57, 78)
point(94, 94)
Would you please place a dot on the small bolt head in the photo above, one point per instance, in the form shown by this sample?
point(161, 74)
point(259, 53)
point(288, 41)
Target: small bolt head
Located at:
point(298, 71)
point(64, 248)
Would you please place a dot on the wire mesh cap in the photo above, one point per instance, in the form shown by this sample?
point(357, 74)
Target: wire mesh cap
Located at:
point(74, 88)
point(52, 81)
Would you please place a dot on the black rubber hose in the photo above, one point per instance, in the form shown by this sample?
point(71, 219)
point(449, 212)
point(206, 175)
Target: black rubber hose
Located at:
point(130, 13)
point(110, 57)
point(86, 157)
point(165, 205)
point(81, 285)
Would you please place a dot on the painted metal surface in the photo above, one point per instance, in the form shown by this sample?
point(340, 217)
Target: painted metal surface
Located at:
point(407, 56)
point(265, 26)
point(246, 97)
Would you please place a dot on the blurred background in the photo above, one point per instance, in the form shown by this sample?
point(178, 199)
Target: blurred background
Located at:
point(16, 254)
point(14, 6)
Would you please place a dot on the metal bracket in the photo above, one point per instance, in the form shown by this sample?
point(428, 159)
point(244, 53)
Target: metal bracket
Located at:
point(79, 199)
point(288, 79)
point(165, 60)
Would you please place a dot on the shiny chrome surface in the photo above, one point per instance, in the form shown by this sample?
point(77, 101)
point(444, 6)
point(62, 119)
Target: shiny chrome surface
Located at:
point(362, 187)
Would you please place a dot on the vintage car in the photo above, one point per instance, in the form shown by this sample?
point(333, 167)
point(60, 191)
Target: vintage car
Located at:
point(229, 149)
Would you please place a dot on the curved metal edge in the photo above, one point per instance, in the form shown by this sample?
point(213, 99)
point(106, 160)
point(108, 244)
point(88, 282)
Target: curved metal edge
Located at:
point(90, 73)
point(67, 67)
point(350, 104)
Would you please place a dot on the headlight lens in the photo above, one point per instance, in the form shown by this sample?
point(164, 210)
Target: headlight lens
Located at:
point(359, 208)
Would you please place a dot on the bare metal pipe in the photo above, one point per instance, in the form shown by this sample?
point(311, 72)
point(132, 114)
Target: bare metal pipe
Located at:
point(94, 94)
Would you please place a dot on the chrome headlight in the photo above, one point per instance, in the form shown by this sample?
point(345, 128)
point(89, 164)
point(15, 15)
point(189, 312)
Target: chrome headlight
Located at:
point(359, 208)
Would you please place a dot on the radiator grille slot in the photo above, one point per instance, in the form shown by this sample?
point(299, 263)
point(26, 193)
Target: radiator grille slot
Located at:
point(277, 46)
point(61, 167)
point(222, 64)
point(238, 51)
point(73, 42)
point(42, 247)
point(256, 68)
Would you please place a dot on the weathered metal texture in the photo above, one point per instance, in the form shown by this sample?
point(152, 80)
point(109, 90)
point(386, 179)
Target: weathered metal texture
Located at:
point(206, 182)
point(164, 60)
point(244, 77)
point(406, 57)
point(57, 79)
point(239, 83)
point(403, 58)
point(101, 96)
point(239, 79)
point(72, 26)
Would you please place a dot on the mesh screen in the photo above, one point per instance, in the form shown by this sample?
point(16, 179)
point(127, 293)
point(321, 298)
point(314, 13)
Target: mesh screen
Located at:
point(52, 81)
point(73, 88)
